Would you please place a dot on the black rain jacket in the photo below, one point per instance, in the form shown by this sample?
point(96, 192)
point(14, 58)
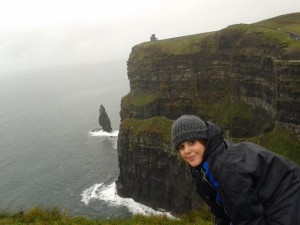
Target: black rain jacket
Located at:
point(247, 184)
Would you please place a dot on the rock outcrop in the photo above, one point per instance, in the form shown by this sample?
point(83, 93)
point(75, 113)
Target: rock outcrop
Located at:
point(104, 120)
point(245, 78)
point(150, 171)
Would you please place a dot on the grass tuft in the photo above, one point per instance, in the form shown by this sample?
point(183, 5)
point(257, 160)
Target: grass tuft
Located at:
point(39, 216)
point(155, 125)
point(140, 100)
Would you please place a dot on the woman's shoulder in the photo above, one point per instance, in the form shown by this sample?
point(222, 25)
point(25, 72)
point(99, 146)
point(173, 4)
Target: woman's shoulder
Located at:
point(240, 157)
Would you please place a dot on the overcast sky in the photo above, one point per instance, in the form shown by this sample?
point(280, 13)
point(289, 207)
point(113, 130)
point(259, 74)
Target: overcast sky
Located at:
point(43, 33)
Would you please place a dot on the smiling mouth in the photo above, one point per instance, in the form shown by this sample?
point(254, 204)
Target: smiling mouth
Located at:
point(191, 158)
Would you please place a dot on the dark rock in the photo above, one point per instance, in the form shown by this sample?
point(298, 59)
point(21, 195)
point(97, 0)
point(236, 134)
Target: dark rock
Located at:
point(104, 120)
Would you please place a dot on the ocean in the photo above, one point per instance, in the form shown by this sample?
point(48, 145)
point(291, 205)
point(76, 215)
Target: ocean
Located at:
point(49, 155)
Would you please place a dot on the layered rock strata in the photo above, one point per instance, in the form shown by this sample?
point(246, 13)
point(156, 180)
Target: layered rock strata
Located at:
point(245, 78)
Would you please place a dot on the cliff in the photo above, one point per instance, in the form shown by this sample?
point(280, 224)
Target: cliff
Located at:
point(150, 170)
point(245, 78)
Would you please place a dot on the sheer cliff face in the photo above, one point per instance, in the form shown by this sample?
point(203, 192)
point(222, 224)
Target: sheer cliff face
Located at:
point(150, 170)
point(243, 78)
point(288, 94)
point(238, 79)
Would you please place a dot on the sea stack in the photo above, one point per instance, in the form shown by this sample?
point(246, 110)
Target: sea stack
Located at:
point(104, 120)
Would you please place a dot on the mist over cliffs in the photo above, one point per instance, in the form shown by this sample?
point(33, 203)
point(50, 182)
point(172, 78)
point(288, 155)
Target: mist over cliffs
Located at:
point(246, 78)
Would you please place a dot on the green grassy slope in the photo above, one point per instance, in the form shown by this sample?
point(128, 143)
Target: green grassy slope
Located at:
point(38, 216)
point(275, 28)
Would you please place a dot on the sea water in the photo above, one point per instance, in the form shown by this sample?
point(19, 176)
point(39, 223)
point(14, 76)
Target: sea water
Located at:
point(49, 154)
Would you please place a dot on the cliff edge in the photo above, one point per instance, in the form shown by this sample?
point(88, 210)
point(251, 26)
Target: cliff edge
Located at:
point(245, 78)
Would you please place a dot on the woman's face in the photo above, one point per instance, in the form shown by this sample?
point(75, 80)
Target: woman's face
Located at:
point(192, 151)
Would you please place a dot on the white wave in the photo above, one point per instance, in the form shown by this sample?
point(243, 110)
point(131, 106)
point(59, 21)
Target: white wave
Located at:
point(108, 193)
point(101, 133)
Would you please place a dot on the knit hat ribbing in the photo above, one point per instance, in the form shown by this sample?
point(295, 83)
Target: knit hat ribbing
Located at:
point(188, 127)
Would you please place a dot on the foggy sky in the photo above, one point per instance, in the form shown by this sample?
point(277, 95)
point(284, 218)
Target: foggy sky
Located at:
point(44, 33)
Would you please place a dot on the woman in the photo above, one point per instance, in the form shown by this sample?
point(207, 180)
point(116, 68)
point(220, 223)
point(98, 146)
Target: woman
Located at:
point(242, 183)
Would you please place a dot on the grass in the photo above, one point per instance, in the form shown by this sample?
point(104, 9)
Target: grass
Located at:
point(289, 22)
point(277, 28)
point(175, 46)
point(186, 45)
point(225, 111)
point(155, 125)
point(39, 216)
point(279, 141)
point(139, 100)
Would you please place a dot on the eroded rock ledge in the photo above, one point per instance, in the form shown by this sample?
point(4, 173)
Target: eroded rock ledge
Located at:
point(245, 78)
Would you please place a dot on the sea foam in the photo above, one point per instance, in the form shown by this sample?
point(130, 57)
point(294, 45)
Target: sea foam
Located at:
point(101, 133)
point(108, 193)
point(113, 136)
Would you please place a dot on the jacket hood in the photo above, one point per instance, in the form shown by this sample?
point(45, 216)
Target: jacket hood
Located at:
point(215, 139)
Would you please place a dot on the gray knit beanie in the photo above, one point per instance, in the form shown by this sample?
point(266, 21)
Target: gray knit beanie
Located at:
point(188, 127)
